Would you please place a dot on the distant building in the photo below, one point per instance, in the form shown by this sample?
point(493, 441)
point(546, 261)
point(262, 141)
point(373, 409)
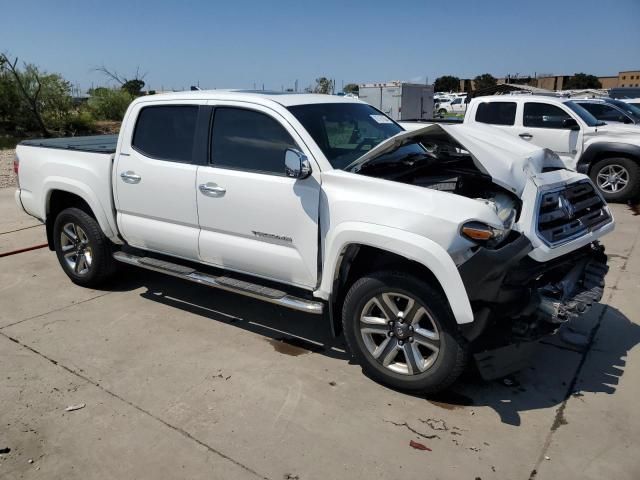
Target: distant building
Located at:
point(629, 78)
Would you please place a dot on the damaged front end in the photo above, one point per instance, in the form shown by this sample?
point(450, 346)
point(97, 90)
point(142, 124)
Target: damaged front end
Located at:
point(518, 300)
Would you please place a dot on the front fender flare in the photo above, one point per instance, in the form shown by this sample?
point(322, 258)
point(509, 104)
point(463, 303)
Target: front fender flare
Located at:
point(400, 242)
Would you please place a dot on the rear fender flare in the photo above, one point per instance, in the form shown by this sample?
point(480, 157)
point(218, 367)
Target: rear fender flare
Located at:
point(106, 222)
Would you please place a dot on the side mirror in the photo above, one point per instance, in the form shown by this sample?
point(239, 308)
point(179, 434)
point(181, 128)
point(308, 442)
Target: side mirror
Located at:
point(296, 164)
point(570, 123)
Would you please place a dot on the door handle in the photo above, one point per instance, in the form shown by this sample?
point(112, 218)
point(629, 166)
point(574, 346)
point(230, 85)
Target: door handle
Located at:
point(130, 177)
point(212, 190)
point(526, 136)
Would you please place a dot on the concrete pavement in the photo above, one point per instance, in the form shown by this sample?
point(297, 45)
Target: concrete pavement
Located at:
point(181, 381)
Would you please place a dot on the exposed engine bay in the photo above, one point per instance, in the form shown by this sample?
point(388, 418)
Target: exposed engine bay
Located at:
point(448, 167)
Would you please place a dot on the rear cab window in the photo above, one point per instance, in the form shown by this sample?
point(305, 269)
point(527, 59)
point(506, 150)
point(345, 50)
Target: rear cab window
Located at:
point(496, 113)
point(166, 132)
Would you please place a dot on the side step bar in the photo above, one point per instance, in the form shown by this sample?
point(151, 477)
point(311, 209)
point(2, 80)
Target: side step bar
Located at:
point(222, 282)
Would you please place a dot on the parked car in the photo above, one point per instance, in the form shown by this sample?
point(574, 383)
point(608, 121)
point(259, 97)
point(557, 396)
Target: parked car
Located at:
point(608, 153)
point(610, 110)
point(632, 101)
point(426, 248)
point(442, 106)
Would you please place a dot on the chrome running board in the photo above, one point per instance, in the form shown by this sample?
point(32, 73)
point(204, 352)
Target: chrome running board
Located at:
point(222, 282)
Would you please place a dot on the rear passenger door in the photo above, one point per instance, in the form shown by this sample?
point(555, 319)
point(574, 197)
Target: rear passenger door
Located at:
point(154, 179)
point(253, 218)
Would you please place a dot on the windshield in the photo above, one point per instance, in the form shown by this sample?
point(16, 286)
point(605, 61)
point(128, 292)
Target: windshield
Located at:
point(586, 117)
point(346, 131)
point(627, 107)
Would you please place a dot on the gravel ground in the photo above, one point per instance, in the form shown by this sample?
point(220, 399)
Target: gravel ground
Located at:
point(7, 178)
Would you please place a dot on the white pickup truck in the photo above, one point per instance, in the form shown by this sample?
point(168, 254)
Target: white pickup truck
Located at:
point(424, 247)
point(608, 153)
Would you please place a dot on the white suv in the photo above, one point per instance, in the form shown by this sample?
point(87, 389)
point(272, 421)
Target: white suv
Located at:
point(608, 153)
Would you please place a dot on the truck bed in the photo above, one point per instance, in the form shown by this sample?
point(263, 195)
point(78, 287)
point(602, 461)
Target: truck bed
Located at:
point(93, 143)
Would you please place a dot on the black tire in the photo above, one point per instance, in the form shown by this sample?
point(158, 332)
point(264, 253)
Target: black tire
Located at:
point(450, 360)
point(97, 248)
point(442, 112)
point(631, 169)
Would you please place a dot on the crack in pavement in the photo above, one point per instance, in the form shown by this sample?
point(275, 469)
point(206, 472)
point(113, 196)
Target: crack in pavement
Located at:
point(56, 310)
point(405, 424)
point(559, 419)
point(179, 430)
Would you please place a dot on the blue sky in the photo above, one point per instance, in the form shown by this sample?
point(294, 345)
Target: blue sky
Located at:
point(239, 43)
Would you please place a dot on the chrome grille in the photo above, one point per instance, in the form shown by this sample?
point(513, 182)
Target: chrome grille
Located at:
point(570, 213)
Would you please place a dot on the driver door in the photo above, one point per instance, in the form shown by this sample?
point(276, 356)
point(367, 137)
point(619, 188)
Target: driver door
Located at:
point(253, 218)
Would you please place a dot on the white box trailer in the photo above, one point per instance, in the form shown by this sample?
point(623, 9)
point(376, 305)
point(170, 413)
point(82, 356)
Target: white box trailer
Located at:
point(401, 101)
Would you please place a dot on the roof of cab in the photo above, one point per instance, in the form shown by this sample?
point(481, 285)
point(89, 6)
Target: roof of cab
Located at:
point(260, 97)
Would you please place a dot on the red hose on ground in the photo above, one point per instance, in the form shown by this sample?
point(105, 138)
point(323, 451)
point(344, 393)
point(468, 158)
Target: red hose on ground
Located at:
point(21, 250)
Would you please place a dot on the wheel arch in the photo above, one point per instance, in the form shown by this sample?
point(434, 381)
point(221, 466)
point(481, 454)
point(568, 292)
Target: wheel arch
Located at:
point(58, 198)
point(354, 250)
point(600, 151)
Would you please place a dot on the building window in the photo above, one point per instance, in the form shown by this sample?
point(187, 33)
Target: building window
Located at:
point(624, 78)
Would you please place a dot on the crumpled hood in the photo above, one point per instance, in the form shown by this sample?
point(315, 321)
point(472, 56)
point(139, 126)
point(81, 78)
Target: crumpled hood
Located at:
point(508, 160)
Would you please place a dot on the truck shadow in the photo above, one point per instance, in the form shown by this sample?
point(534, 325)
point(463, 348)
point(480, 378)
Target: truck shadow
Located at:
point(557, 372)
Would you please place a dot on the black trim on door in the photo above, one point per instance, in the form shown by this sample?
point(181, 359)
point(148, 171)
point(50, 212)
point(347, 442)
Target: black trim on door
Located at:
point(201, 139)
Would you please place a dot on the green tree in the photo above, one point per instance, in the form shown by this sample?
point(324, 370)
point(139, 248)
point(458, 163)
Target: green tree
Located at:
point(486, 80)
point(9, 100)
point(351, 88)
point(133, 87)
point(323, 85)
point(109, 103)
point(446, 83)
point(582, 80)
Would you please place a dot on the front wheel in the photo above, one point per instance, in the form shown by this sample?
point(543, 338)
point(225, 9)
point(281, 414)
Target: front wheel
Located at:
point(83, 251)
point(402, 332)
point(617, 179)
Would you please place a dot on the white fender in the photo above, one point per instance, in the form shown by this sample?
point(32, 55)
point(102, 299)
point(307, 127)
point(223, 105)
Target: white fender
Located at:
point(406, 244)
point(82, 190)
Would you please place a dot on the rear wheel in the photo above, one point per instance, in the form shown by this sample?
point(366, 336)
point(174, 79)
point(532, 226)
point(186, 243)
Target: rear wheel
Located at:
point(442, 112)
point(617, 179)
point(83, 251)
point(402, 332)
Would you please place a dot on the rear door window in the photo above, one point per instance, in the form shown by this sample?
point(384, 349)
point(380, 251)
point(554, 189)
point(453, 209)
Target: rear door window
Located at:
point(496, 113)
point(249, 140)
point(543, 115)
point(166, 132)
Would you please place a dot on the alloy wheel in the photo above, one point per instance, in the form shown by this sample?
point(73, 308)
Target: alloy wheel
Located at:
point(399, 333)
point(612, 178)
point(76, 249)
